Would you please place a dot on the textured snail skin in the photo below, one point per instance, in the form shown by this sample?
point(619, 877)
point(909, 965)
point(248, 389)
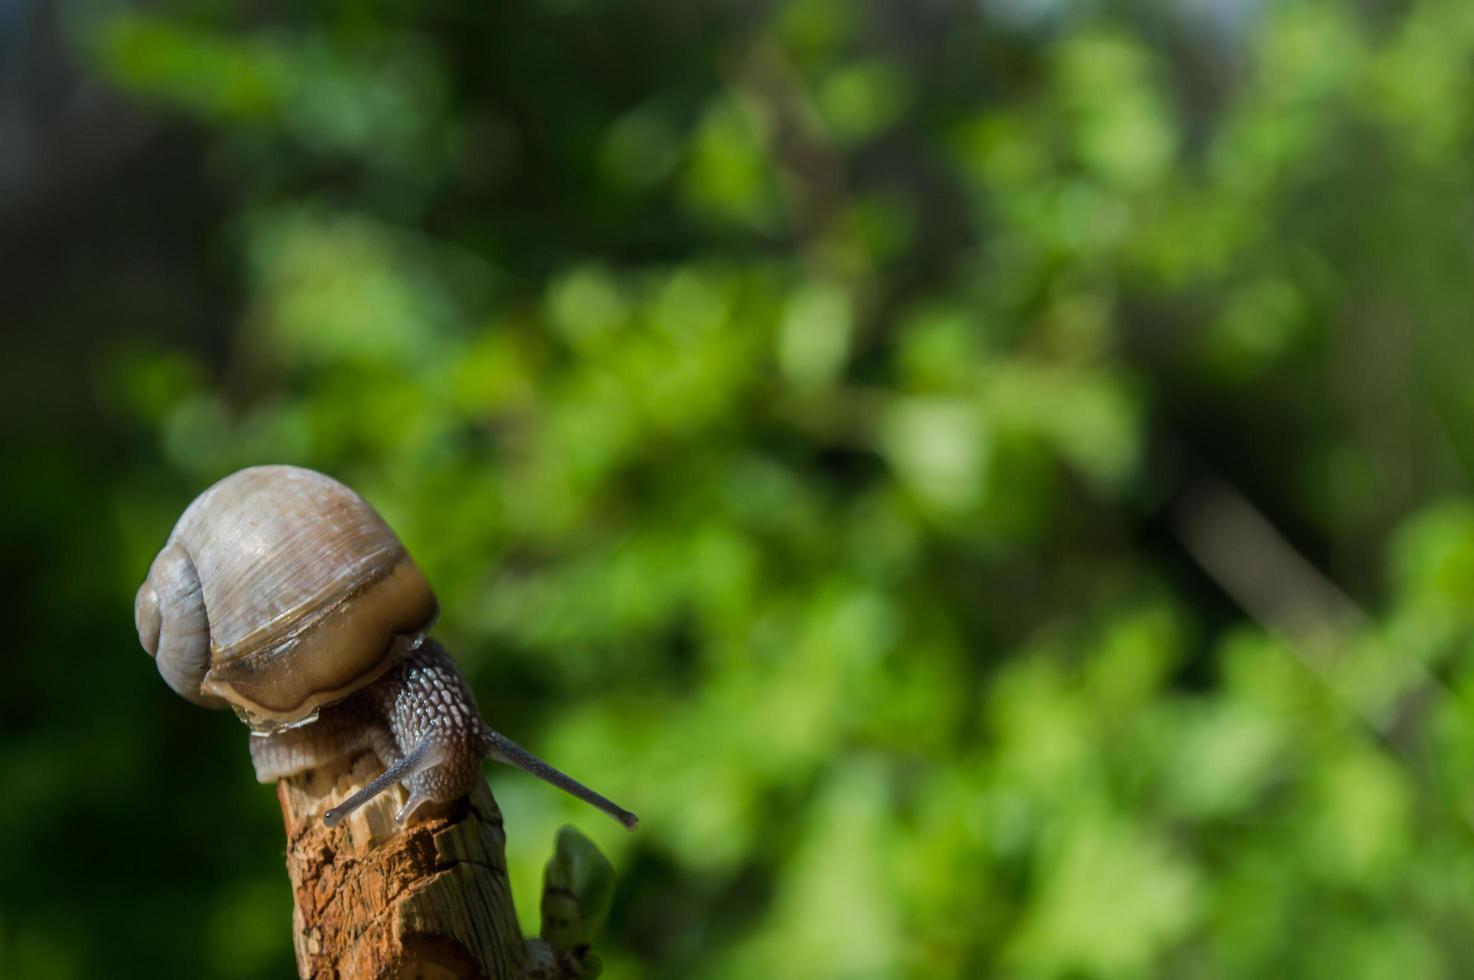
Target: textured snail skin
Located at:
point(420, 719)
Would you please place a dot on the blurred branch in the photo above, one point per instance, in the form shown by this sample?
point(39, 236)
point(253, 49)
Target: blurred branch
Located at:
point(1273, 582)
point(63, 133)
point(811, 171)
point(1291, 600)
point(815, 188)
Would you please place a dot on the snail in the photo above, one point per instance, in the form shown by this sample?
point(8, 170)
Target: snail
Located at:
point(282, 595)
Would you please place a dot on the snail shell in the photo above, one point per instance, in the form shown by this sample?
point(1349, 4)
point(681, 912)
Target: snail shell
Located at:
point(280, 591)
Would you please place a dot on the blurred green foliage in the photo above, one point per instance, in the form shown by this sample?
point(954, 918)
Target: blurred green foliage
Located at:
point(791, 403)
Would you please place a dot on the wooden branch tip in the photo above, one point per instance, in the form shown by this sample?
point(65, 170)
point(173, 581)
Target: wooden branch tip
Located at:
point(372, 900)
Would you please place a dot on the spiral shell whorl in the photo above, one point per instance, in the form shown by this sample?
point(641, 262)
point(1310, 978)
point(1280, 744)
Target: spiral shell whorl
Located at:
point(169, 612)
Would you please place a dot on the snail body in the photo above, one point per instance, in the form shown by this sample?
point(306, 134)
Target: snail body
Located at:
point(283, 595)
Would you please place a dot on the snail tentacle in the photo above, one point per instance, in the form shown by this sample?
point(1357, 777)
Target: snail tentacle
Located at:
point(497, 746)
point(424, 756)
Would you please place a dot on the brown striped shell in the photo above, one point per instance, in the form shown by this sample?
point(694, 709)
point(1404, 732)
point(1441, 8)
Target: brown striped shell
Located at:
point(303, 592)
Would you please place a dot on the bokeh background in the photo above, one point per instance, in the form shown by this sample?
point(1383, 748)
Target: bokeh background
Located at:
point(989, 482)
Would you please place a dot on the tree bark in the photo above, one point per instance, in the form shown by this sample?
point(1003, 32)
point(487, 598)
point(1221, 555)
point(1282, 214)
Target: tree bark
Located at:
point(372, 900)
